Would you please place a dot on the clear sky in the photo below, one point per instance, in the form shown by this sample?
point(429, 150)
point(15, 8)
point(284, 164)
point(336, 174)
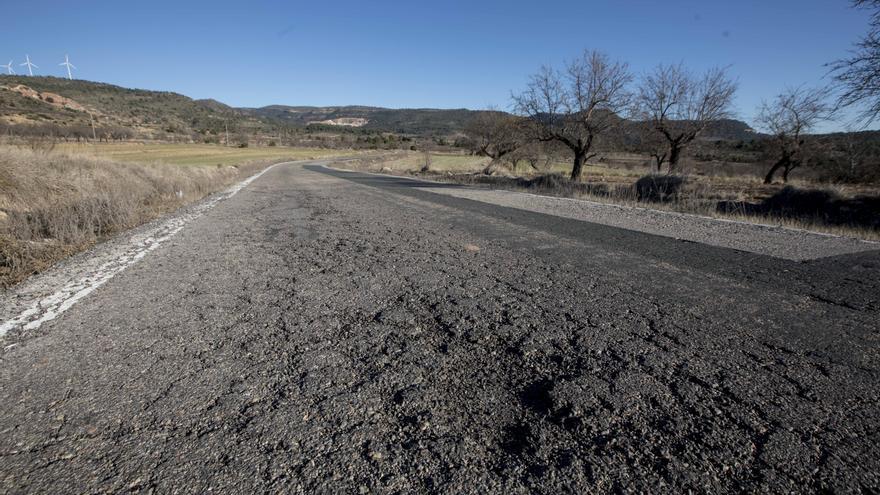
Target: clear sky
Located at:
point(418, 54)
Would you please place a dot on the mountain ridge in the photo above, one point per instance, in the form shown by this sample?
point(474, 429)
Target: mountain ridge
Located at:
point(163, 113)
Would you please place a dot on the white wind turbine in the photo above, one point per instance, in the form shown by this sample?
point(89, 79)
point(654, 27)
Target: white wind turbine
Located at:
point(69, 66)
point(8, 68)
point(29, 64)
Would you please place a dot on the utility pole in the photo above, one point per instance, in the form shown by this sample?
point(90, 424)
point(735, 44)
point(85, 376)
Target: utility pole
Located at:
point(226, 124)
point(92, 120)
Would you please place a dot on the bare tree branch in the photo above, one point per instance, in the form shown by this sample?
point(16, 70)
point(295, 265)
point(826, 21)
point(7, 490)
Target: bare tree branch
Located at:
point(858, 77)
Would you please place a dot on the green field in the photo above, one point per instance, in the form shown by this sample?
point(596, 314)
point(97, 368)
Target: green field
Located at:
point(193, 154)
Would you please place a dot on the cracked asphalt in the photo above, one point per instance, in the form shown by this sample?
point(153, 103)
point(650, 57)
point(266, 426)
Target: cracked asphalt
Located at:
point(334, 332)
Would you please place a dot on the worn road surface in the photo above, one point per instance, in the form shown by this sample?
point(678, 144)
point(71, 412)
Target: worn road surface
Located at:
point(334, 332)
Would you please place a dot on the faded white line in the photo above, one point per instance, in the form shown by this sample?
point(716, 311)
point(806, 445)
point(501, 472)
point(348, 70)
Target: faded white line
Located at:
point(50, 307)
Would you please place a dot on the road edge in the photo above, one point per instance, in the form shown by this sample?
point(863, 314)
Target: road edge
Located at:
point(35, 302)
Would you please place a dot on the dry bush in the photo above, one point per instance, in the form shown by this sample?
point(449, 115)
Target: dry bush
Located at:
point(813, 206)
point(659, 188)
point(52, 205)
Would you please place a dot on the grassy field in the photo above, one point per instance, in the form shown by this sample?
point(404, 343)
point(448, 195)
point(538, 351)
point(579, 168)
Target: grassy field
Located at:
point(192, 154)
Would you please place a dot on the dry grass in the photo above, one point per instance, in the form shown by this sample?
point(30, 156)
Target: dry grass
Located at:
point(701, 198)
point(191, 154)
point(55, 204)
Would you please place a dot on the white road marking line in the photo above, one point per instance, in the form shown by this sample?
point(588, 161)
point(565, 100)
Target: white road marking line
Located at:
point(50, 307)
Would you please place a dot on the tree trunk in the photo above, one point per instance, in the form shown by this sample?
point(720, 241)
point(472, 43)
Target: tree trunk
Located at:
point(674, 155)
point(578, 166)
point(658, 160)
point(792, 164)
point(783, 162)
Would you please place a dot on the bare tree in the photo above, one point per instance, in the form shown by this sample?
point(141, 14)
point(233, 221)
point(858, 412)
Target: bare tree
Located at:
point(494, 134)
point(679, 105)
point(426, 161)
point(788, 118)
point(577, 106)
point(858, 76)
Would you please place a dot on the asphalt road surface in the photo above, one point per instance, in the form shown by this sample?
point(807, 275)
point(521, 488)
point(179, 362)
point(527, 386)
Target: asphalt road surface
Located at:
point(334, 332)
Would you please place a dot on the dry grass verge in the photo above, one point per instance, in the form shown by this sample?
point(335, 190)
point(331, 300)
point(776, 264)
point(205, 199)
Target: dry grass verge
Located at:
point(56, 204)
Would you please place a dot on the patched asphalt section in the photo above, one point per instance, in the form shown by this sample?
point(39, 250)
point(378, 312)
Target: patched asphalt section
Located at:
point(327, 332)
point(779, 242)
point(844, 279)
point(770, 240)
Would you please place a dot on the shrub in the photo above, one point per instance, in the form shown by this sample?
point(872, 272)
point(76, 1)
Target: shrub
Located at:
point(659, 188)
point(812, 205)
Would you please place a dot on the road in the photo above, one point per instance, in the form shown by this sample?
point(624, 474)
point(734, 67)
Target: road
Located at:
point(335, 332)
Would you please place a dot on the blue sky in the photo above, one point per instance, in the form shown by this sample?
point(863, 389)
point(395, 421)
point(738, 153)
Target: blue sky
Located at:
point(419, 54)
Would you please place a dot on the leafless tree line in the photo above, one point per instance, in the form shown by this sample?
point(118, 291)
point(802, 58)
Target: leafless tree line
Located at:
point(78, 133)
point(594, 100)
point(593, 97)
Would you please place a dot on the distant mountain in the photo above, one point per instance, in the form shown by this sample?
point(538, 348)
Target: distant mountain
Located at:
point(421, 121)
point(730, 129)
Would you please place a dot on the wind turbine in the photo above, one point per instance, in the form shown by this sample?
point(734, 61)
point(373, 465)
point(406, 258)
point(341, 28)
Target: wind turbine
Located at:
point(69, 66)
point(29, 64)
point(8, 68)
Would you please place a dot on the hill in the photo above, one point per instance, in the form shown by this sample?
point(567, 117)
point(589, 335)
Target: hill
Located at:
point(51, 101)
point(732, 130)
